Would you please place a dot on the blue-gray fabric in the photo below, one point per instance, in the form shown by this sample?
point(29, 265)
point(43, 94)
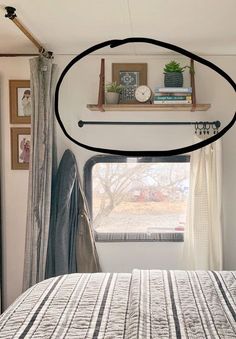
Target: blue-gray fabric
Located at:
point(68, 209)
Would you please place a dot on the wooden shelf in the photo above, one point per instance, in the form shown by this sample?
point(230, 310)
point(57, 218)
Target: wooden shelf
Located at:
point(149, 107)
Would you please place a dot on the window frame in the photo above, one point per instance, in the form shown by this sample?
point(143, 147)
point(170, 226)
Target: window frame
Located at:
point(121, 237)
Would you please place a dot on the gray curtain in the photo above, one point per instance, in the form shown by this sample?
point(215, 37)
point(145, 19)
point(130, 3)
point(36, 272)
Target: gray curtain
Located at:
point(42, 79)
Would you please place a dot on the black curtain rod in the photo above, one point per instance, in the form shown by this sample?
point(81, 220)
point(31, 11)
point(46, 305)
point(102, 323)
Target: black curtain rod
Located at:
point(199, 124)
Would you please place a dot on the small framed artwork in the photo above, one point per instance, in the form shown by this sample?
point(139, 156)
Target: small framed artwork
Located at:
point(20, 148)
point(130, 76)
point(20, 101)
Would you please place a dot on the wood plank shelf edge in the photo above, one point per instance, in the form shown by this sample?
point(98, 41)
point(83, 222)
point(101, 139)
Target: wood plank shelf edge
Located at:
point(149, 107)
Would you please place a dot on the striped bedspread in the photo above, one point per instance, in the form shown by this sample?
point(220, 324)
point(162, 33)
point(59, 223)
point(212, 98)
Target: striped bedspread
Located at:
point(180, 304)
point(145, 304)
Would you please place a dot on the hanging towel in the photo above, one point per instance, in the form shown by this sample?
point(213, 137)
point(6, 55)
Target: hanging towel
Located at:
point(68, 230)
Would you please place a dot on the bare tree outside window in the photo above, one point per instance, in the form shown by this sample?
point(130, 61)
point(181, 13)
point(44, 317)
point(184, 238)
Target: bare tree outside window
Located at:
point(140, 197)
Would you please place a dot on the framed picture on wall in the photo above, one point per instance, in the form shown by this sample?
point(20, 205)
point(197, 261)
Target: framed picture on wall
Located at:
point(20, 148)
point(20, 101)
point(130, 76)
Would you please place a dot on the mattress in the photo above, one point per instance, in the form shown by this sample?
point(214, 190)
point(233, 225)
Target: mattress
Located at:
point(144, 304)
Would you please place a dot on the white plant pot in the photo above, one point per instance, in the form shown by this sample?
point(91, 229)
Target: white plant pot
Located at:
point(112, 97)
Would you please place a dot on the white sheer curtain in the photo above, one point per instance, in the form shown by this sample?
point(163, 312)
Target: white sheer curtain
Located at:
point(203, 238)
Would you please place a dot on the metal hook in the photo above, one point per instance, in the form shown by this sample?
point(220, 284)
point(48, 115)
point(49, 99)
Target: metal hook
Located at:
point(215, 127)
point(200, 127)
point(207, 127)
point(204, 128)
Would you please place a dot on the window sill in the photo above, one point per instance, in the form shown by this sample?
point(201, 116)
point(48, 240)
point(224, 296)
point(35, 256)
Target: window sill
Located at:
point(141, 237)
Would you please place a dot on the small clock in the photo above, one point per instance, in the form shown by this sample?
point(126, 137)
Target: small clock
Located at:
point(143, 94)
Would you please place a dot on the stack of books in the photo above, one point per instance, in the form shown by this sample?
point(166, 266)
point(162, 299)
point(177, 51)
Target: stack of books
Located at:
point(173, 95)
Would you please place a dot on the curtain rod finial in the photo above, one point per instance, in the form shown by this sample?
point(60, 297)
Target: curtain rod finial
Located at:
point(10, 12)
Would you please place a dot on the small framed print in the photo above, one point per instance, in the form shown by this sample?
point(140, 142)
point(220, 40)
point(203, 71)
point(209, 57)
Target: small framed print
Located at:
point(20, 101)
point(130, 76)
point(20, 148)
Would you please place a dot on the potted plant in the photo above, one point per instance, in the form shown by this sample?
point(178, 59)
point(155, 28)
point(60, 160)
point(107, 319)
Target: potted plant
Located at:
point(174, 74)
point(112, 94)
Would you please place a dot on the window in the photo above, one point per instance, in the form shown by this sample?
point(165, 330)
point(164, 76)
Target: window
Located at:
point(137, 198)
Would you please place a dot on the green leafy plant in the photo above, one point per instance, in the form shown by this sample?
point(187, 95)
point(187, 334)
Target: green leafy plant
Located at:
point(114, 87)
point(174, 66)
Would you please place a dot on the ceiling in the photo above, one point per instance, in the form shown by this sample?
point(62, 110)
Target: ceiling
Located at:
point(68, 27)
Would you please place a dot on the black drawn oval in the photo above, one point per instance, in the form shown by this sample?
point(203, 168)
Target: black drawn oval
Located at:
point(115, 43)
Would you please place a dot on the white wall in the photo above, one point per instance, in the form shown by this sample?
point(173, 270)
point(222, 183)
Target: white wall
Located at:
point(79, 88)
point(14, 187)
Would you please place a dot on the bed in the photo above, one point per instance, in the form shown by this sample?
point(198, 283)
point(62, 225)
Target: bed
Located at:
point(143, 304)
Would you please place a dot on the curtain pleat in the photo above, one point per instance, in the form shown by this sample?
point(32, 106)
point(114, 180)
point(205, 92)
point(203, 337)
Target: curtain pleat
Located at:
point(42, 80)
